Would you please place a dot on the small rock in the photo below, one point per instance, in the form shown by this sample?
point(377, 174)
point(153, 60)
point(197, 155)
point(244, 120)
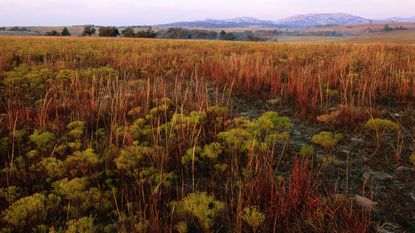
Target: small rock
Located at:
point(345, 151)
point(405, 169)
point(365, 202)
point(296, 132)
point(274, 101)
point(332, 117)
point(377, 175)
point(396, 115)
point(357, 140)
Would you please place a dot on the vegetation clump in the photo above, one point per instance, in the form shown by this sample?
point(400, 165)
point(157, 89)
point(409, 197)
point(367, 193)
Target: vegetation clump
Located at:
point(307, 151)
point(203, 207)
point(328, 140)
point(380, 127)
point(27, 212)
point(253, 217)
point(100, 137)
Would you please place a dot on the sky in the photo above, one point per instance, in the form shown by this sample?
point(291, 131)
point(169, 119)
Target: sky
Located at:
point(151, 12)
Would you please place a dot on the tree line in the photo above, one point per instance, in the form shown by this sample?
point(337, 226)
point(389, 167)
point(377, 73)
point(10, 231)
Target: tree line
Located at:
point(170, 33)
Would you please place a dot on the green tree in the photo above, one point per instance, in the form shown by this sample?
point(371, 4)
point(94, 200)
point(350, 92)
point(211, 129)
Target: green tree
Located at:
point(149, 33)
point(65, 32)
point(52, 33)
point(226, 36)
point(108, 32)
point(386, 28)
point(89, 30)
point(128, 32)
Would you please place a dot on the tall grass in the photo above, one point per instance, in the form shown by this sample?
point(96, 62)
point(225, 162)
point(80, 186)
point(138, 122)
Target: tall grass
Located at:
point(155, 122)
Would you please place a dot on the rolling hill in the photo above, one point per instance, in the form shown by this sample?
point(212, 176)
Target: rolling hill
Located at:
point(240, 22)
point(316, 20)
point(297, 21)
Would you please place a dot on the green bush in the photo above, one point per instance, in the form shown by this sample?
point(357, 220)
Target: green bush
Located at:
point(381, 126)
point(307, 151)
point(130, 157)
point(253, 217)
point(181, 227)
point(328, 140)
point(42, 140)
point(81, 225)
point(27, 212)
point(76, 129)
point(201, 206)
point(212, 151)
point(52, 167)
point(82, 161)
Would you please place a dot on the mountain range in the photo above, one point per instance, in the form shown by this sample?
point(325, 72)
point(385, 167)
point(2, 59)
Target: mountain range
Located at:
point(297, 21)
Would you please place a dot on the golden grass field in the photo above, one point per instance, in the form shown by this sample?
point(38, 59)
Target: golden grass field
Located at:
point(151, 135)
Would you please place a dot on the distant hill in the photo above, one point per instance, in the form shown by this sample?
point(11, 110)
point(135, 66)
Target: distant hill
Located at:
point(240, 22)
point(297, 21)
point(399, 19)
point(316, 20)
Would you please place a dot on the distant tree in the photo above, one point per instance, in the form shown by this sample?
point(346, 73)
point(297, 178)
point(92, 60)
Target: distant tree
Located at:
point(183, 33)
point(88, 30)
point(149, 33)
point(400, 28)
point(108, 32)
point(386, 28)
point(65, 32)
point(128, 32)
point(226, 36)
point(2, 29)
point(222, 35)
point(19, 29)
point(52, 33)
point(250, 36)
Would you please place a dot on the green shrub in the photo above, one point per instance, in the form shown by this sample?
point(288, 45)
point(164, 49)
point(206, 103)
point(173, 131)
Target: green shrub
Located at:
point(10, 194)
point(82, 161)
point(52, 167)
point(73, 190)
point(27, 212)
point(273, 138)
point(140, 130)
point(201, 206)
point(235, 138)
point(381, 126)
point(272, 121)
point(81, 225)
point(253, 217)
point(130, 157)
point(307, 151)
point(212, 151)
point(42, 140)
point(328, 140)
point(191, 155)
point(330, 160)
point(181, 227)
point(76, 129)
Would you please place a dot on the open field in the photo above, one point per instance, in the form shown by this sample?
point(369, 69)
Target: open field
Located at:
point(141, 135)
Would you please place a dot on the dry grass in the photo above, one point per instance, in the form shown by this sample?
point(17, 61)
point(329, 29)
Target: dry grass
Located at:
point(117, 89)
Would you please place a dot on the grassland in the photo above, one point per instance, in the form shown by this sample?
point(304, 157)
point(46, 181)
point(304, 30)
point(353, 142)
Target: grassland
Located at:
point(135, 135)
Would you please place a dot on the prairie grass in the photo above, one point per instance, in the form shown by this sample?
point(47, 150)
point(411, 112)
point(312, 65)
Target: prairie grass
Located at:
point(136, 135)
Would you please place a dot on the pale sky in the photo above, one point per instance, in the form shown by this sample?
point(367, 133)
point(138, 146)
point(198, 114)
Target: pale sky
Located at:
point(149, 12)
